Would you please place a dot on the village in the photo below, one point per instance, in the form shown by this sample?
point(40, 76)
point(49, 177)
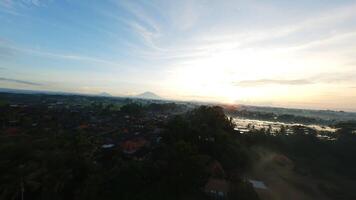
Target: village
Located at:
point(130, 130)
point(162, 143)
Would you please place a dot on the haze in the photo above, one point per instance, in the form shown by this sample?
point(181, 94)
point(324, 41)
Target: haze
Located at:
point(280, 53)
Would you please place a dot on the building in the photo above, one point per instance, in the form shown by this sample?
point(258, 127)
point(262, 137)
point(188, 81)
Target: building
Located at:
point(258, 184)
point(216, 170)
point(217, 188)
point(132, 146)
point(107, 146)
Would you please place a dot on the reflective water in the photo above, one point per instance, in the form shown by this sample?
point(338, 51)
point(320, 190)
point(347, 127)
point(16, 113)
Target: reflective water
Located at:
point(245, 125)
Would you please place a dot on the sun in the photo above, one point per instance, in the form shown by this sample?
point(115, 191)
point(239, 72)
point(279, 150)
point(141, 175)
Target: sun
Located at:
point(217, 76)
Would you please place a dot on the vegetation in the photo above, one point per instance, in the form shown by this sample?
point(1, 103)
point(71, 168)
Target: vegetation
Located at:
point(53, 149)
point(329, 161)
point(70, 163)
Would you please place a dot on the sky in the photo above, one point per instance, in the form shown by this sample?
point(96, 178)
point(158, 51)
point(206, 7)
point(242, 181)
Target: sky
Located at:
point(274, 52)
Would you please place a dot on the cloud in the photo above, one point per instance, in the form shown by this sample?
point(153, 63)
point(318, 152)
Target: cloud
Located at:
point(336, 77)
point(6, 49)
point(14, 7)
point(34, 2)
point(164, 31)
point(20, 81)
point(185, 14)
point(329, 26)
point(140, 14)
point(142, 23)
point(147, 35)
point(6, 3)
point(261, 82)
point(6, 6)
point(328, 78)
point(11, 50)
point(294, 36)
point(22, 3)
point(71, 57)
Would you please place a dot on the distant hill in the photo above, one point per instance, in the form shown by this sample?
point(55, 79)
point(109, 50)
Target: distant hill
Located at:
point(45, 92)
point(104, 94)
point(25, 91)
point(145, 95)
point(148, 95)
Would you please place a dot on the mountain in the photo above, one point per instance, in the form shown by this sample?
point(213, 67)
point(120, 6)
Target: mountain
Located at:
point(104, 94)
point(148, 95)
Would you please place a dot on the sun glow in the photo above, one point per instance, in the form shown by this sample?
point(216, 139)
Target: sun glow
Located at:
point(221, 51)
point(218, 74)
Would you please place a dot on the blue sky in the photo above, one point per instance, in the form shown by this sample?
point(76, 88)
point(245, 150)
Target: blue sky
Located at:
point(281, 53)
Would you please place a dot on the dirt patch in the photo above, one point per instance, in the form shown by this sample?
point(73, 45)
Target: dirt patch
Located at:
point(276, 171)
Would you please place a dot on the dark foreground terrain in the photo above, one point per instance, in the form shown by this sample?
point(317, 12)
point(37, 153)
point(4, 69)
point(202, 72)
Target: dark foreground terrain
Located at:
point(77, 147)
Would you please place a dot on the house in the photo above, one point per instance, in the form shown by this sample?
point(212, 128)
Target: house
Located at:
point(157, 131)
point(158, 139)
point(125, 130)
point(83, 126)
point(258, 184)
point(12, 131)
point(13, 122)
point(132, 146)
point(283, 160)
point(217, 188)
point(107, 146)
point(216, 170)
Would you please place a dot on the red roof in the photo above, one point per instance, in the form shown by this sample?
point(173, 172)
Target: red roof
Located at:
point(83, 126)
point(131, 146)
point(219, 185)
point(12, 131)
point(216, 169)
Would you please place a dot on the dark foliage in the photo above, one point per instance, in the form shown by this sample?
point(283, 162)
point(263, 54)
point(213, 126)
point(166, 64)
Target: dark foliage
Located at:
point(66, 162)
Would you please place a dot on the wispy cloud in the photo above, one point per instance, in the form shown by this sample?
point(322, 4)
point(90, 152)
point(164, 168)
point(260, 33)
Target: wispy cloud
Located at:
point(321, 78)
point(140, 14)
point(142, 23)
point(296, 34)
point(5, 52)
point(147, 35)
point(7, 6)
point(6, 3)
point(261, 82)
point(35, 2)
point(20, 81)
point(14, 7)
point(11, 50)
point(160, 42)
point(71, 57)
point(22, 3)
point(201, 43)
point(335, 77)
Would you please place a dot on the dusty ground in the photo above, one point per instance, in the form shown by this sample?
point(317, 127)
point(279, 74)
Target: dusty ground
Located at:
point(276, 171)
